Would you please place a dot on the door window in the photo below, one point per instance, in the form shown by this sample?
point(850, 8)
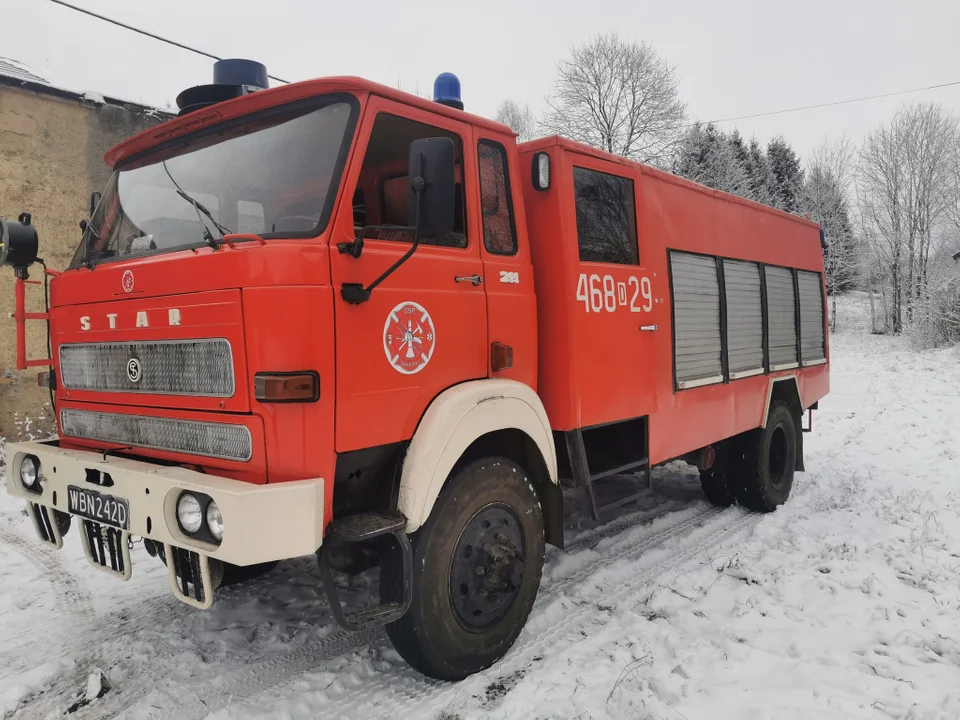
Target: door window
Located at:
point(606, 217)
point(383, 195)
point(499, 230)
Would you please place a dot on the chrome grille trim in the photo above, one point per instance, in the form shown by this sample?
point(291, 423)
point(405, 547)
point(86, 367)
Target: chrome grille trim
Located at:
point(216, 440)
point(201, 368)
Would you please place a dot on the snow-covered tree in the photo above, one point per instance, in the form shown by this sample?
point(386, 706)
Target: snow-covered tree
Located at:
point(708, 156)
point(786, 175)
point(520, 119)
point(617, 95)
point(907, 188)
point(825, 198)
point(758, 173)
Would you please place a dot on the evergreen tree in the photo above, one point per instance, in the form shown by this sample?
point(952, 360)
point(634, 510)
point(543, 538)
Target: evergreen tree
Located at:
point(758, 173)
point(786, 175)
point(707, 156)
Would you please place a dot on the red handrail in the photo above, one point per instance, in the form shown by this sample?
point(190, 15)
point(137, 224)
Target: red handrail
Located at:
point(20, 315)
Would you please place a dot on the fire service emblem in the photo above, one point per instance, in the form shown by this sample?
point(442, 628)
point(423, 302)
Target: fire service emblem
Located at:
point(409, 338)
point(127, 281)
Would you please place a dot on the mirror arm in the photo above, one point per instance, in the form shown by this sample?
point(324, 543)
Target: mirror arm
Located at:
point(355, 293)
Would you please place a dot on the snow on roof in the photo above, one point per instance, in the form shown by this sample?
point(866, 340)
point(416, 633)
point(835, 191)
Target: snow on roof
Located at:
point(13, 69)
point(15, 74)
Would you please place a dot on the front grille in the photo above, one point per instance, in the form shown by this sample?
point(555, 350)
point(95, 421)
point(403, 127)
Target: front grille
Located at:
point(173, 367)
point(218, 440)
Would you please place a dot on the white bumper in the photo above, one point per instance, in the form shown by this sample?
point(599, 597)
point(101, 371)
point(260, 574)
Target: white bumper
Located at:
point(260, 522)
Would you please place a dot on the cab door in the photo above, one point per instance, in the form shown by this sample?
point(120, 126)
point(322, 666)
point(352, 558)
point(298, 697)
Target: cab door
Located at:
point(424, 328)
point(616, 312)
point(511, 302)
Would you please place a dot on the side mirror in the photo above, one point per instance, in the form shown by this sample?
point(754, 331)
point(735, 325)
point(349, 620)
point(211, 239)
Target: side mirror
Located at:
point(432, 186)
point(94, 201)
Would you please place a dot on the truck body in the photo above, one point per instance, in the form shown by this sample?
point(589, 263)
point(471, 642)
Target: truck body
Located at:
point(329, 317)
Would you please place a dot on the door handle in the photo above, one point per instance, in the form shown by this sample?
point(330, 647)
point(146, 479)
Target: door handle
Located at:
point(475, 279)
point(648, 328)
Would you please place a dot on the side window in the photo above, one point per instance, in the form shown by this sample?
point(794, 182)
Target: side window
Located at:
point(382, 197)
point(606, 217)
point(499, 230)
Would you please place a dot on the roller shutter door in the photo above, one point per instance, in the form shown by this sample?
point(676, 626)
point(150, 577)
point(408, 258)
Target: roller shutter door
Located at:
point(696, 320)
point(781, 317)
point(811, 317)
point(744, 318)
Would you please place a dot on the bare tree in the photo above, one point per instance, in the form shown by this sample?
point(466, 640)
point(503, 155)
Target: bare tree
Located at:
point(415, 90)
point(520, 119)
point(825, 197)
point(619, 96)
point(906, 188)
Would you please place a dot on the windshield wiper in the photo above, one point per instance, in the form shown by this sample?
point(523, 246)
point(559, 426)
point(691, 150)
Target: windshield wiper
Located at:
point(87, 227)
point(200, 208)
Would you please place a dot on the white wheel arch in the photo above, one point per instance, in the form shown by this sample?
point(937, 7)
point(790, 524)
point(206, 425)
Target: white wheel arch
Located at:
point(454, 420)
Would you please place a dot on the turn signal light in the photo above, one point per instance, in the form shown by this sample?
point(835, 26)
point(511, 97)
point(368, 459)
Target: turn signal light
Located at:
point(287, 387)
point(501, 356)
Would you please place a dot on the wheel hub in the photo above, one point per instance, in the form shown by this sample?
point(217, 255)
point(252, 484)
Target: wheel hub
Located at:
point(487, 567)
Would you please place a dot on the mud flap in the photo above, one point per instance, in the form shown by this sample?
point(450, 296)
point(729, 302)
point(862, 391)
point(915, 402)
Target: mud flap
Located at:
point(48, 528)
point(107, 548)
point(190, 577)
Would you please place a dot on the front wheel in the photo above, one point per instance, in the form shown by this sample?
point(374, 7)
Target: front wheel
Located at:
point(477, 562)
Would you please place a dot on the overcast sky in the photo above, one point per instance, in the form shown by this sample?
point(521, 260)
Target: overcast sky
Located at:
point(733, 58)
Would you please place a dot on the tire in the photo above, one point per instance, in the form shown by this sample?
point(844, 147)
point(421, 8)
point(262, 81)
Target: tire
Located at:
point(457, 625)
point(717, 482)
point(766, 459)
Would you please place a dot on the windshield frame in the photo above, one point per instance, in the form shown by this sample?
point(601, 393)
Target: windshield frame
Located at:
point(307, 105)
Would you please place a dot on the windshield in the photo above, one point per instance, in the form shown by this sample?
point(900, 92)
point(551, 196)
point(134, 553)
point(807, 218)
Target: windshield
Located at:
point(274, 175)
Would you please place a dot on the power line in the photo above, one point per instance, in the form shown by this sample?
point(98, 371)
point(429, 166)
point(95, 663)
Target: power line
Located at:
point(828, 104)
point(148, 34)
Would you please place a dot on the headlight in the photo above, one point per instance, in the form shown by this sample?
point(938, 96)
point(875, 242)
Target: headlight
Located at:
point(189, 513)
point(30, 473)
point(215, 521)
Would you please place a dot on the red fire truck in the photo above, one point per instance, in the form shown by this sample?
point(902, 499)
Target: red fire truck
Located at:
point(335, 318)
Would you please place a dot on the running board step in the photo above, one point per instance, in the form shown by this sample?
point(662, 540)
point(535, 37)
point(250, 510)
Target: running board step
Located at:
point(374, 616)
point(360, 528)
point(584, 476)
point(366, 526)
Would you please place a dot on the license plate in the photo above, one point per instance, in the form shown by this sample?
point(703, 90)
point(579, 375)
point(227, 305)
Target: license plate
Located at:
point(98, 506)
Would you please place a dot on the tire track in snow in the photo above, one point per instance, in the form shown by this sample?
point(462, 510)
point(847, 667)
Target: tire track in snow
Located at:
point(258, 678)
point(71, 596)
point(409, 692)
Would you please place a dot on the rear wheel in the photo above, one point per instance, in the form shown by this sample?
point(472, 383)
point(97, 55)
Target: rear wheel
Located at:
point(767, 458)
point(477, 564)
point(717, 481)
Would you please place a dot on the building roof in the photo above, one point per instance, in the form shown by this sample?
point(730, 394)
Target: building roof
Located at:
point(13, 69)
point(15, 75)
point(956, 255)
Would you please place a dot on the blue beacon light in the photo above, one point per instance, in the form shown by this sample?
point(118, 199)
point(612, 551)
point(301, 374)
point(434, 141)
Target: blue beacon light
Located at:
point(446, 90)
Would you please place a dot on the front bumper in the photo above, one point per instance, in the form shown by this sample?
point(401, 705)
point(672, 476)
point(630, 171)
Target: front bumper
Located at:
point(261, 522)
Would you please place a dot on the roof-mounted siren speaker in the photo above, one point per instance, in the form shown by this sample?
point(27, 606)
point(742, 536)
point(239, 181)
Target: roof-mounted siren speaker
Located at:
point(446, 90)
point(231, 78)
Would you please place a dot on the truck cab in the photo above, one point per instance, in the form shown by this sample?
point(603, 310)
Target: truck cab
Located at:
point(295, 308)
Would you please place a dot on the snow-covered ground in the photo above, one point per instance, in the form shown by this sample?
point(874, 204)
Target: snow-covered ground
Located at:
point(845, 603)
